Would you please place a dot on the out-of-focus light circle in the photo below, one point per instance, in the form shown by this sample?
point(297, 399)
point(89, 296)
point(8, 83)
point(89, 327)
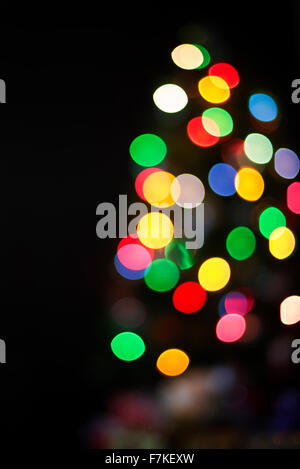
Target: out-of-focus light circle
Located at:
point(258, 148)
point(227, 72)
point(221, 117)
point(214, 89)
point(236, 302)
point(263, 107)
point(133, 239)
point(290, 310)
point(249, 184)
point(172, 362)
point(221, 179)
point(178, 253)
point(128, 312)
point(189, 297)
point(161, 275)
point(198, 135)
point(128, 273)
point(240, 243)
point(282, 242)
point(286, 163)
point(270, 219)
point(140, 179)
point(157, 189)
point(214, 274)
point(155, 230)
point(148, 150)
point(205, 54)
point(187, 56)
point(170, 98)
point(230, 327)
point(187, 190)
point(134, 256)
point(128, 346)
point(293, 197)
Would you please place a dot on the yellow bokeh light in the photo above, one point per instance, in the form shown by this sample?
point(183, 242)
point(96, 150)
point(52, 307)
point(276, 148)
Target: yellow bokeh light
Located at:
point(214, 274)
point(290, 310)
point(187, 56)
point(172, 362)
point(249, 184)
point(155, 230)
point(282, 242)
point(214, 89)
point(157, 189)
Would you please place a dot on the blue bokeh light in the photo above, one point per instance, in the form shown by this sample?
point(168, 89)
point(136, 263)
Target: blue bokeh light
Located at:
point(263, 107)
point(221, 179)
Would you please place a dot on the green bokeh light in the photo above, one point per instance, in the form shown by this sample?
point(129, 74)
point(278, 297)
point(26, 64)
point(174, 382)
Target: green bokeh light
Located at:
point(161, 275)
point(206, 56)
point(176, 252)
point(128, 346)
point(148, 150)
point(240, 243)
point(270, 219)
point(258, 148)
point(222, 118)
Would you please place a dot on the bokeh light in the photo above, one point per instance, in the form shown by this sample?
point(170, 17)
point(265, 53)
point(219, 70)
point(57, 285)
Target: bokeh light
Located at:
point(225, 71)
point(290, 310)
point(134, 256)
point(128, 312)
point(128, 346)
point(133, 239)
point(270, 219)
point(240, 243)
point(293, 197)
point(155, 230)
point(249, 184)
point(162, 275)
point(157, 189)
point(172, 362)
point(221, 179)
point(187, 56)
point(214, 274)
point(230, 327)
point(198, 135)
point(128, 273)
point(263, 107)
point(189, 297)
point(220, 117)
point(205, 54)
point(286, 163)
point(214, 89)
point(282, 242)
point(140, 179)
point(170, 98)
point(177, 252)
point(258, 148)
point(187, 190)
point(235, 302)
point(148, 150)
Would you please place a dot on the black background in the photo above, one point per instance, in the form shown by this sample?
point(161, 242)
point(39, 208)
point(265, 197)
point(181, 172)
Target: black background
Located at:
point(77, 94)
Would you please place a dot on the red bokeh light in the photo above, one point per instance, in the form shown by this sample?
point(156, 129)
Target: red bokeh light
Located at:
point(198, 135)
point(189, 297)
point(225, 71)
point(293, 197)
